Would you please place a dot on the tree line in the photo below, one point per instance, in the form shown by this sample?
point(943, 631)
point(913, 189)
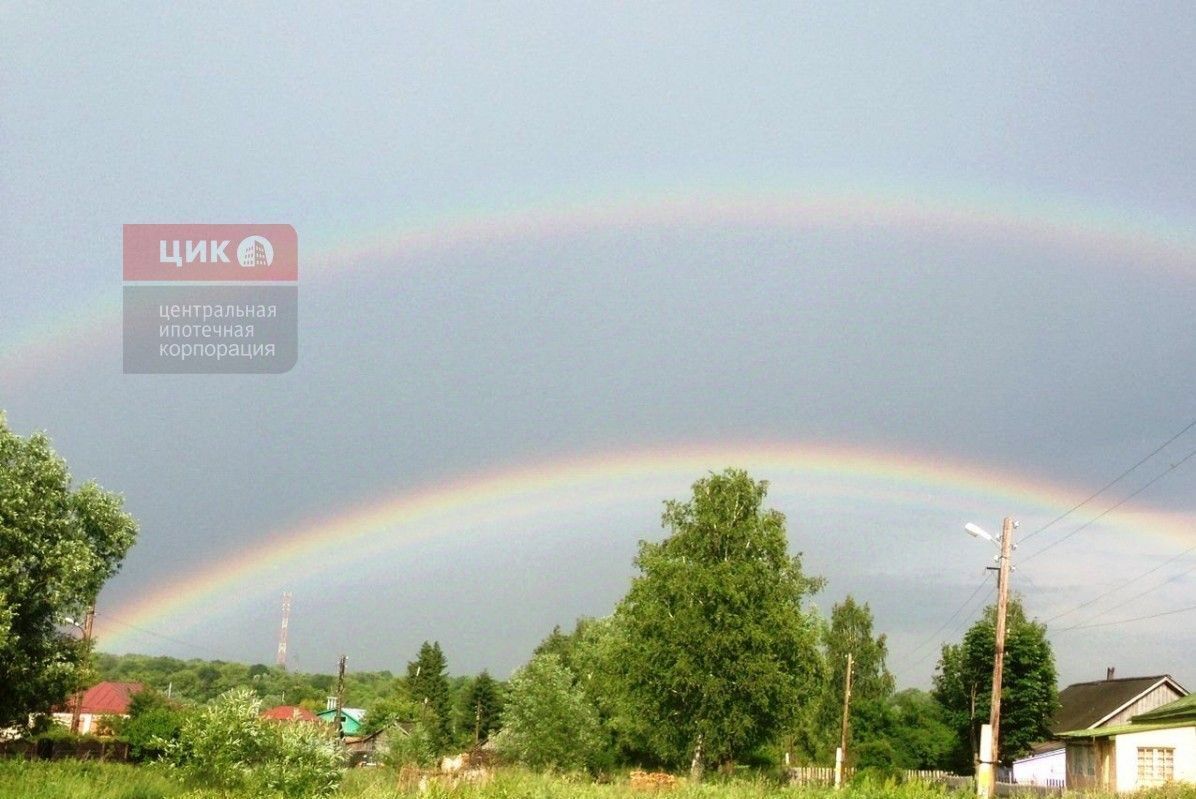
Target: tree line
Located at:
point(715, 656)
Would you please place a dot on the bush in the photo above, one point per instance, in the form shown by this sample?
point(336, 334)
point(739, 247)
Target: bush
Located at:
point(153, 723)
point(418, 748)
point(548, 722)
point(227, 745)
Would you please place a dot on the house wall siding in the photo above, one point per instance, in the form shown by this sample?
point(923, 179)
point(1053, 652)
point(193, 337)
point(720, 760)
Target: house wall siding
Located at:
point(1048, 769)
point(1181, 739)
point(1161, 695)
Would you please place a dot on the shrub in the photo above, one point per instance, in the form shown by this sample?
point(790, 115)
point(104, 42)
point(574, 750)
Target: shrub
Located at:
point(153, 723)
point(548, 721)
point(227, 745)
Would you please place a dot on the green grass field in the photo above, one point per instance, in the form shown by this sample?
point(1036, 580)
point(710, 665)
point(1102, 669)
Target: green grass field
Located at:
point(91, 780)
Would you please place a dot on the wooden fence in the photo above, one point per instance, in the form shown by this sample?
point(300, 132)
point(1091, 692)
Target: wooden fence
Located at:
point(823, 776)
point(117, 751)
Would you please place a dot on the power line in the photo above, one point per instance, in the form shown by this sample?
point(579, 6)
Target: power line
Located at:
point(1115, 505)
point(122, 623)
point(1109, 484)
point(943, 627)
point(1120, 585)
point(1141, 594)
point(1127, 621)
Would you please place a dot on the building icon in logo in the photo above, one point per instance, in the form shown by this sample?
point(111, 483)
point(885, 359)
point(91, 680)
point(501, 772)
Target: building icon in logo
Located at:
point(255, 251)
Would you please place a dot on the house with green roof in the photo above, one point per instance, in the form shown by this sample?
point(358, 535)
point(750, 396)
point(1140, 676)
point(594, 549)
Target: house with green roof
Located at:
point(352, 719)
point(1155, 748)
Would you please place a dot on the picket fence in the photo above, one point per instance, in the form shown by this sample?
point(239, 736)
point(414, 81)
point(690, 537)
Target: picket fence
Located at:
point(822, 776)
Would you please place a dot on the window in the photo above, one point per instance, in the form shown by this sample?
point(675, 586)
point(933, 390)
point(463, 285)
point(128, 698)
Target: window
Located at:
point(1156, 765)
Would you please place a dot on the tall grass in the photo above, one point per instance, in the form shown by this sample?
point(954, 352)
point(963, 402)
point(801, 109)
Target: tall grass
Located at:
point(92, 780)
point(81, 779)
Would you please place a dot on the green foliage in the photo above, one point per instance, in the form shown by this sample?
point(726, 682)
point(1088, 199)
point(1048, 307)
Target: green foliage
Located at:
point(91, 780)
point(227, 745)
point(850, 632)
point(82, 779)
point(481, 708)
point(547, 721)
point(203, 680)
point(428, 687)
point(153, 723)
point(717, 648)
point(963, 684)
point(58, 546)
point(921, 736)
point(416, 747)
point(593, 653)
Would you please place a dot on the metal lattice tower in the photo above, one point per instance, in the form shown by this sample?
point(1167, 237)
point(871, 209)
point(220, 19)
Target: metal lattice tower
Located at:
point(281, 659)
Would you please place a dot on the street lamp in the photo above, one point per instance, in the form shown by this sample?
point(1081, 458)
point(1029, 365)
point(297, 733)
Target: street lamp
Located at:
point(976, 531)
point(986, 774)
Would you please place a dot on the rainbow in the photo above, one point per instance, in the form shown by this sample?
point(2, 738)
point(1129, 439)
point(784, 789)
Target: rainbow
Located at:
point(1137, 239)
point(590, 484)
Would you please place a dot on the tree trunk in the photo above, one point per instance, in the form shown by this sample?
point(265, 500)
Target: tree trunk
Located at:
point(696, 766)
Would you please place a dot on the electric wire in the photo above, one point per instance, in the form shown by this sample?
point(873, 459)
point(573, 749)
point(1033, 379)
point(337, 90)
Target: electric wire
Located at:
point(906, 658)
point(1114, 506)
point(1109, 484)
point(1127, 621)
point(1120, 585)
point(1136, 596)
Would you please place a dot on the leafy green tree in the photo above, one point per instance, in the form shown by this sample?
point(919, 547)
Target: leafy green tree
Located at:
point(228, 746)
point(152, 724)
point(1029, 696)
point(593, 654)
point(850, 632)
point(547, 721)
point(58, 545)
point(428, 686)
point(481, 708)
point(717, 647)
point(921, 737)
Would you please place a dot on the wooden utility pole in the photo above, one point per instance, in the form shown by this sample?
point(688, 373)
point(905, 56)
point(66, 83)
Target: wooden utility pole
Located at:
point(88, 620)
point(477, 723)
point(845, 729)
point(987, 787)
point(340, 696)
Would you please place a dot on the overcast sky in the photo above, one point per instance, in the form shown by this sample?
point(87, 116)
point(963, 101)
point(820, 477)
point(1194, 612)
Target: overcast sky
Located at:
point(1058, 359)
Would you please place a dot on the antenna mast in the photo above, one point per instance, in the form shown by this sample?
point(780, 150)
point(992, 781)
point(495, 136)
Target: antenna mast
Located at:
point(281, 659)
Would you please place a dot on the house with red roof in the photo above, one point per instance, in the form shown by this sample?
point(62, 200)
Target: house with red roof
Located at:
point(102, 699)
point(289, 713)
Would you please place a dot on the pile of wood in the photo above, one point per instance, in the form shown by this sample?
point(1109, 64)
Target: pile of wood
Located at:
point(652, 781)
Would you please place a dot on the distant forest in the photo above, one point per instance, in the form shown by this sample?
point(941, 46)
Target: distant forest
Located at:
point(197, 680)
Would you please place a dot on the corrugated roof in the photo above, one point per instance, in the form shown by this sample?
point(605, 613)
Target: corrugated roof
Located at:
point(108, 698)
point(289, 713)
point(1083, 704)
point(1125, 729)
point(355, 713)
point(1184, 708)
